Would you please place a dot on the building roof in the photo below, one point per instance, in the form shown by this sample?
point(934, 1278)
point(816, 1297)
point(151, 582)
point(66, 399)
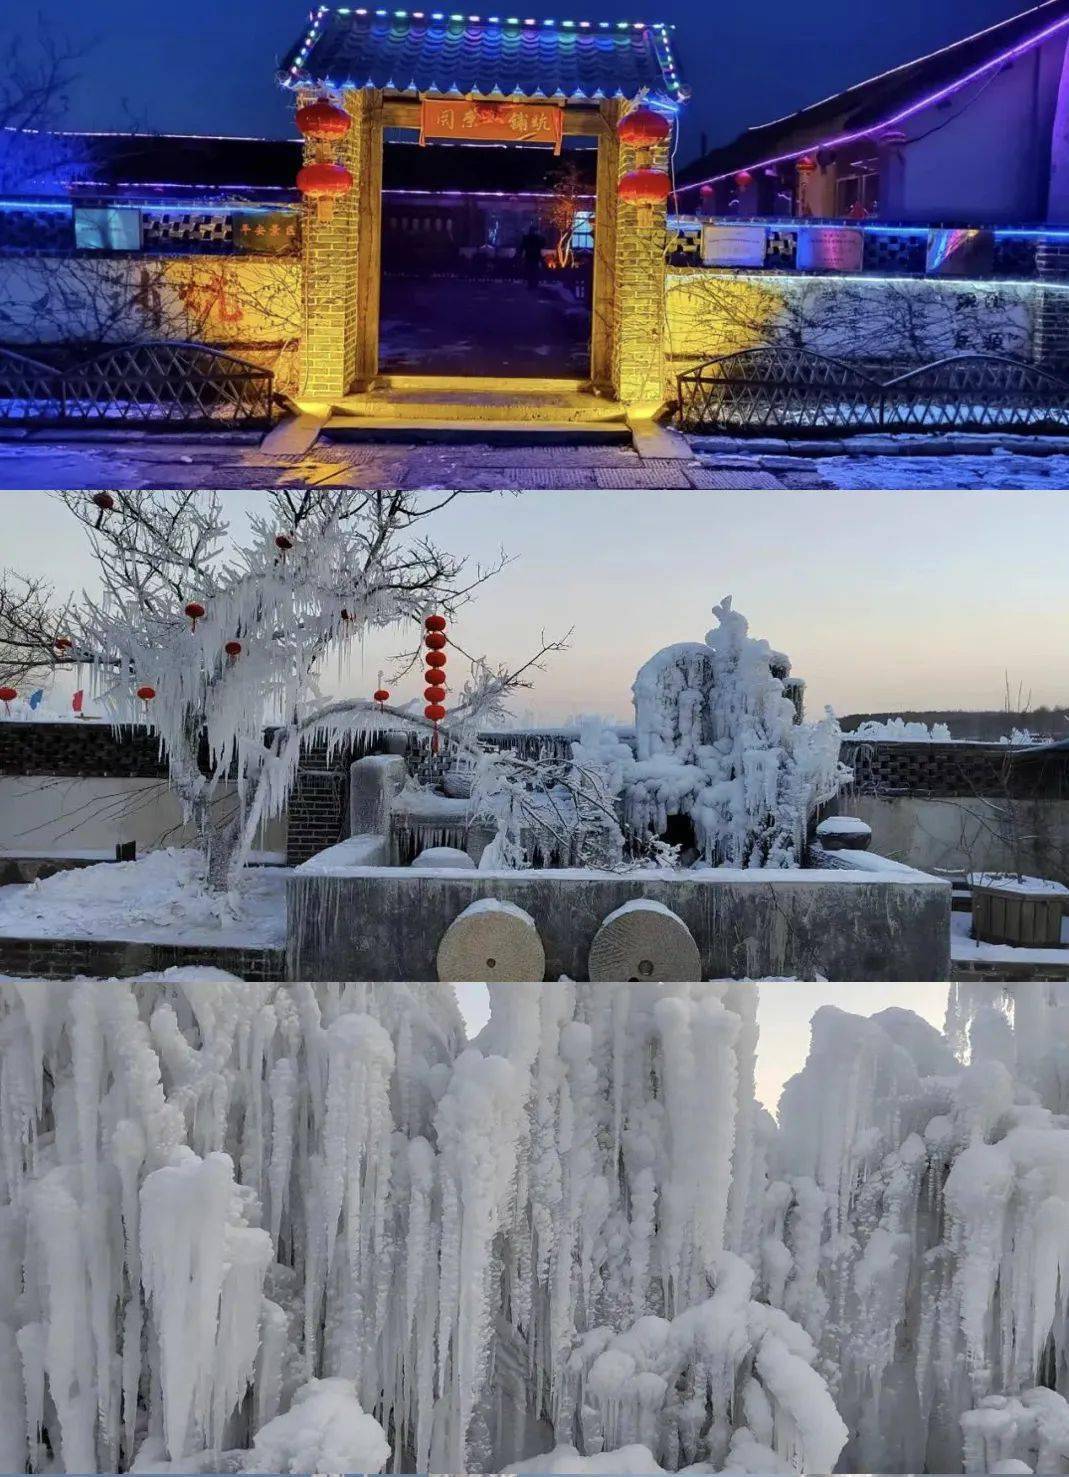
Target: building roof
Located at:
point(883, 102)
point(412, 52)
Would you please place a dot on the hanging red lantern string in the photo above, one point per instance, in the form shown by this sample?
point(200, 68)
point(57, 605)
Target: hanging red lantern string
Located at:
point(232, 649)
point(435, 640)
point(194, 610)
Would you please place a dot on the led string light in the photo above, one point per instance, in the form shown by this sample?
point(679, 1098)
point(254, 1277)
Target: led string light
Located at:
point(661, 30)
point(930, 101)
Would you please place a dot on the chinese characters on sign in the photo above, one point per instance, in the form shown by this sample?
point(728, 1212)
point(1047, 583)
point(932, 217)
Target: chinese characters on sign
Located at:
point(518, 123)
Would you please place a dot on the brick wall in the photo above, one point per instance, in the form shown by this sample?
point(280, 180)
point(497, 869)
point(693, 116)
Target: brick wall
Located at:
point(1052, 308)
point(64, 959)
point(639, 377)
point(953, 770)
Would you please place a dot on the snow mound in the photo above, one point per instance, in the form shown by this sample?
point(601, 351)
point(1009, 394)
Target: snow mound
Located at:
point(324, 1430)
point(162, 896)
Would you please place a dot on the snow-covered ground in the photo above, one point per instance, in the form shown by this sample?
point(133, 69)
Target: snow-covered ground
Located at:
point(161, 897)
point(965, 949)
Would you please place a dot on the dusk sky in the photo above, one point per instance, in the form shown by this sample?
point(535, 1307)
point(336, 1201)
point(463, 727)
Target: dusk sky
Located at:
point(208, 67)
point(784, 1011)
point(883, 600)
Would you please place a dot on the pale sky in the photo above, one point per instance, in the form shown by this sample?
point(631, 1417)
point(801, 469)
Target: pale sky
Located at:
point(882, 600)
point(783, 1015)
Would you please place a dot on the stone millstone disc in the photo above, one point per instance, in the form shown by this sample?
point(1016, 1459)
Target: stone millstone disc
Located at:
point(490, 941)
point(644, 940)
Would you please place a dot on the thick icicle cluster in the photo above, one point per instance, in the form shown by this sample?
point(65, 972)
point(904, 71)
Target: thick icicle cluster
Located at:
point(919, 1229)
point(263, 1225)
point(288, 1227)
point(718, 741)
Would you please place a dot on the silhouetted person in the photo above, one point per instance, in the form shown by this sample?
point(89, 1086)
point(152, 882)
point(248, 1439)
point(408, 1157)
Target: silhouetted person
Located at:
point(531, 248)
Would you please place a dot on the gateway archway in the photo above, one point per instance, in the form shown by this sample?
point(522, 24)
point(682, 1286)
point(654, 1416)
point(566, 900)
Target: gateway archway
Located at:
point(509, 82)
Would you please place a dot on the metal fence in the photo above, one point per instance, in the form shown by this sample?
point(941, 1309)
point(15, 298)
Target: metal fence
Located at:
point(169, 384)
point(797, 392)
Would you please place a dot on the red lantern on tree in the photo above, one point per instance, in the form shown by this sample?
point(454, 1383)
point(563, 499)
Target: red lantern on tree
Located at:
point(435, 623)
point(8, 695)
point(323, 121)
point(434, 694)
point(436, 640)
point(324, 183)
point(382, 695)
point(283, 542)
point(434, 678)
point(434, 711)
point(146, 693)
point(436, 659)
point(194, 610)
point(232, 649)
point(62, 643)
point(104, 501)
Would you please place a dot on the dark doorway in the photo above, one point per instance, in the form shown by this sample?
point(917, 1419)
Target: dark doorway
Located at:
point(487, 261)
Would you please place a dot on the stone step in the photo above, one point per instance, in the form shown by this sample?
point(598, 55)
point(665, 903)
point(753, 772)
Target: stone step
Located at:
point(500, 432)
point(469, 404)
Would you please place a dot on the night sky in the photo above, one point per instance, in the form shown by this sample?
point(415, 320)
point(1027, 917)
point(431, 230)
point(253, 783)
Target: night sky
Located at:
point(207, 66)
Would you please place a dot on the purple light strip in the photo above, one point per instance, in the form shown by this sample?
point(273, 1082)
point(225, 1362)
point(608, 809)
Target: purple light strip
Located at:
point(914, 108)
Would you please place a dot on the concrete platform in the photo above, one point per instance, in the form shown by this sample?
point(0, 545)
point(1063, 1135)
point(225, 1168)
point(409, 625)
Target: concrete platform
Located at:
point(425, 403)
point(428, 430)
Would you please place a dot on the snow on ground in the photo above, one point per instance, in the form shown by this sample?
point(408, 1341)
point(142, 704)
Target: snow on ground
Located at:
point(161, 897)
point(965, 949)
point(997, 470)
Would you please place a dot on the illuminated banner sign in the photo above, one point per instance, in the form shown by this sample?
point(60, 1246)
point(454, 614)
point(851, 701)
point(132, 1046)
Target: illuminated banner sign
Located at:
point(733, 246)
point(829, 249)
point(489, 122)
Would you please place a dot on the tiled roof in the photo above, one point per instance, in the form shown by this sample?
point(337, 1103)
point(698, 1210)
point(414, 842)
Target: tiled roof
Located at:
point(886, 100)
point(412, 52)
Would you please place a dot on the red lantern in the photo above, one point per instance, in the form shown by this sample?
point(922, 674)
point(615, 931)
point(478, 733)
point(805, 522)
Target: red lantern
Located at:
point(146, 694)
point(436, 659)
point(645, 188)
point(434, 694)
point(104, 501)
point(744, 179)
point(642, 128)
point(232, 649)
point(382, 695)
point(62, 643)
point(283, 542)
point(8, 694)
point(435, 623)
point(434, 711)
point(436, 640)
point(434, 678)
point(324, 183)
point(323, 120)
point(806, 164)
point(194, 610)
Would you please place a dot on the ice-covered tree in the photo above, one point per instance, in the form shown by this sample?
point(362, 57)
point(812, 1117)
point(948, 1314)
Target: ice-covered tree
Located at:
point(210, 639)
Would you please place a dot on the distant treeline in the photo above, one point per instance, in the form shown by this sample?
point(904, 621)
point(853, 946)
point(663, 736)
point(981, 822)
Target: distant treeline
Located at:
point(986, 723)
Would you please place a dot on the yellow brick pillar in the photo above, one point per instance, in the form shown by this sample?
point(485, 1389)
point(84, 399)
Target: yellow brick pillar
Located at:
point(341, 248)
point(640, 373)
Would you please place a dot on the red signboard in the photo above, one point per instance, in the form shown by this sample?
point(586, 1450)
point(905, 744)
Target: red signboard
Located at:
point(492, 122)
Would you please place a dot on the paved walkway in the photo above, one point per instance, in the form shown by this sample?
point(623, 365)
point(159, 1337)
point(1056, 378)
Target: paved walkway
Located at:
point(174, 462)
